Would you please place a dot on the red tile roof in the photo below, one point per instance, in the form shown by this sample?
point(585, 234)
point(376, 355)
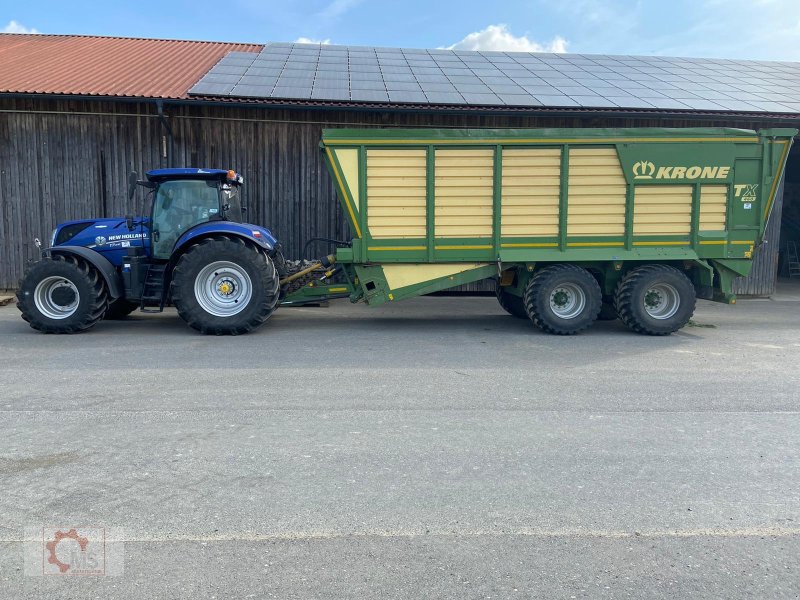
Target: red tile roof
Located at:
point(106, 66)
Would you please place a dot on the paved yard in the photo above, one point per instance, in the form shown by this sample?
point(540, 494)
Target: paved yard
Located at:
point(433, 448)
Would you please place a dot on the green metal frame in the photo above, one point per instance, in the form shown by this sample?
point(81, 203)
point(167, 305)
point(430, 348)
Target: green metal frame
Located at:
point(751, 158)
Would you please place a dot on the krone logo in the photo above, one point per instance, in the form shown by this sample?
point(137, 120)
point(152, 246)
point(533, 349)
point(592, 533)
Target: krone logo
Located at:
point(643, 169)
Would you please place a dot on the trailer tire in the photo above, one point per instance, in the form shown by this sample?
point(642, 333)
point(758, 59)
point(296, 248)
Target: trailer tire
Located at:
point(655, 299)
point(62, 294)
point(607, 312)
point(563, 299)
point(513, 305)
point(119, 309)
point(224, 286)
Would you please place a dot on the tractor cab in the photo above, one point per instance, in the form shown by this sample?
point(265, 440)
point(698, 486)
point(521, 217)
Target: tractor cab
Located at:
point(186, 198)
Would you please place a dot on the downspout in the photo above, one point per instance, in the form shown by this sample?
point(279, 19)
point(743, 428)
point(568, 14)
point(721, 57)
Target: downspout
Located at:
point(170, 154)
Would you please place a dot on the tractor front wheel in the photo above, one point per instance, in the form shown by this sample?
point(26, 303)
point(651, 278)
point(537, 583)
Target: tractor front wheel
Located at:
point(62, 294)
point(119, 309)
point(225, 286)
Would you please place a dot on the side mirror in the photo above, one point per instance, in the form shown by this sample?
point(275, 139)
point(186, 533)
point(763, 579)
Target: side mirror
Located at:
point(129, 222)
point(133, 179)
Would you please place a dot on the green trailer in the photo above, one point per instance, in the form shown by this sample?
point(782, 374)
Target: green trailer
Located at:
point(573, 224)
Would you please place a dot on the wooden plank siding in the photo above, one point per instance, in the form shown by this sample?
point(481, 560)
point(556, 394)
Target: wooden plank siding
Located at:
point(66, 159)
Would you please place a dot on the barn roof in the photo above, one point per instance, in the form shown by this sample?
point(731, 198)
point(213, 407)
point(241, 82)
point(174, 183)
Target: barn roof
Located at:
point(294, 74)
point(106, 66)
point(309, 72)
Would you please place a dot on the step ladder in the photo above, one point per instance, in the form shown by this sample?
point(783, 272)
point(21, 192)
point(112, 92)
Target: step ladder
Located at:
point(153, 296)
point(793, 259)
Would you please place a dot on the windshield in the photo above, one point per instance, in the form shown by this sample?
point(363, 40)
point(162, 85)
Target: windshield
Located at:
point(180, 205)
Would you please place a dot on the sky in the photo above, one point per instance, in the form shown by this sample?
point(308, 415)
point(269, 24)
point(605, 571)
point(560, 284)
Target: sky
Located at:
point(743, 29)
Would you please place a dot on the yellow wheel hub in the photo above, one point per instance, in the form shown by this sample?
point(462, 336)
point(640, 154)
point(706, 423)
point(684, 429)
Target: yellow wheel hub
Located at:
point(225, 288)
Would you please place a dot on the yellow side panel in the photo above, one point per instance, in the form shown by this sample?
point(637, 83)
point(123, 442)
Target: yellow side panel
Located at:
point(348, 160)
point(398, 276)
point(530, 192)
point(596, 193)
point(396, 188)
point(713, 207)
point(464, 187)
point(662, 210)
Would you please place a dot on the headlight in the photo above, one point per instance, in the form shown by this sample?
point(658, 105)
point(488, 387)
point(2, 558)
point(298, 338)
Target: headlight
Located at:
point(53, 237)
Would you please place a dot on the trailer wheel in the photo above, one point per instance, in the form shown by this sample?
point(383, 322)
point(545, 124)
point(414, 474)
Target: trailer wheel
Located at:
point(655, 300)
point(62, 294)
point(224, 286)
point(607, 312)
point(563, 299)
point(119, 309)
point(513, 305)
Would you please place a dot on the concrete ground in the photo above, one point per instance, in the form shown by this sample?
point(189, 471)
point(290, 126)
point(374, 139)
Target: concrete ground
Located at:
point(429, 449)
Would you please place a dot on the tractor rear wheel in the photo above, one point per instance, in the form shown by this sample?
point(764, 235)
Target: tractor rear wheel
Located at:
point(563, 299)
point(513, 305)
point(62, 294)
point(655, 300)
point(225, 286)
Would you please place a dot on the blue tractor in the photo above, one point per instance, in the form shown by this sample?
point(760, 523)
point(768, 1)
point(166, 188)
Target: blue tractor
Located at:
point(194, 251)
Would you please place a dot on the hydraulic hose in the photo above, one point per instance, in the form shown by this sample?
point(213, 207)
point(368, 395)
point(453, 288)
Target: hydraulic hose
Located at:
point(324, 262)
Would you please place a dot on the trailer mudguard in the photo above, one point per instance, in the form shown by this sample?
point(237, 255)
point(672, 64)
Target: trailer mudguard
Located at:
point(253, 233)
point(98, 261)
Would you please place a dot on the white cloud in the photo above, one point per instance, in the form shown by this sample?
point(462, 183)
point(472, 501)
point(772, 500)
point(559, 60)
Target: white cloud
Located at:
point(305, 40)
point(498, 37)
point(14, 27)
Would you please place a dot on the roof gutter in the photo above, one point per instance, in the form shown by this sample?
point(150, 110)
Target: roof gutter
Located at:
point(621, 113)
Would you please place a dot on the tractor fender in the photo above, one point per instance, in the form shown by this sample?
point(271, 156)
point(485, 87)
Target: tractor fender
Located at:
point(251, 233)
point(99, 262)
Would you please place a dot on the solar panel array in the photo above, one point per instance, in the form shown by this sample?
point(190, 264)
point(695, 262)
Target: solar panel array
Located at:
point(454, 77)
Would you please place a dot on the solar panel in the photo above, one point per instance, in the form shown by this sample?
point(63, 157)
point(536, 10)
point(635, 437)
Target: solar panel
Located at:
point(369, 95)
point(439, 76)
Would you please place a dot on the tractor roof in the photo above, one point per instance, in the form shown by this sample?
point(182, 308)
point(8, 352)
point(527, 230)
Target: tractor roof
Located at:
point(159, 175)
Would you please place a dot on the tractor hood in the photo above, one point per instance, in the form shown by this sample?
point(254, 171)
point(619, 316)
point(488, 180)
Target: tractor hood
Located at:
point(101, 234)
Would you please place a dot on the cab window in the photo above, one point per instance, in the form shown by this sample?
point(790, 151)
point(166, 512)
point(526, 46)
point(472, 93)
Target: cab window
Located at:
point(178, 206)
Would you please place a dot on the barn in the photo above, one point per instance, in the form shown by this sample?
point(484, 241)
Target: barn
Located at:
point(78, 113)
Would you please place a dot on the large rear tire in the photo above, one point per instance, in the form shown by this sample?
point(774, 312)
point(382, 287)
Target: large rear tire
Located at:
point(655, 300)
point(607, 312)
point(563, 299)
point(62, 294)
point(513, 305)
point(224, 286)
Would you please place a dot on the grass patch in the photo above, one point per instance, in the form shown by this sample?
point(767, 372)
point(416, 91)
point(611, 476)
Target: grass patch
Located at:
point(693, 323)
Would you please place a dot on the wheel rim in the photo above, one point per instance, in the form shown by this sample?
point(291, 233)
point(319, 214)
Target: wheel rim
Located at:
point(567, 300)
point(56, 297)
point(223, 289)
point(661, 301)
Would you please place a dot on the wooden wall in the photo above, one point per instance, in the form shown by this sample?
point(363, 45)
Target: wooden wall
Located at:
point(69, 159)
